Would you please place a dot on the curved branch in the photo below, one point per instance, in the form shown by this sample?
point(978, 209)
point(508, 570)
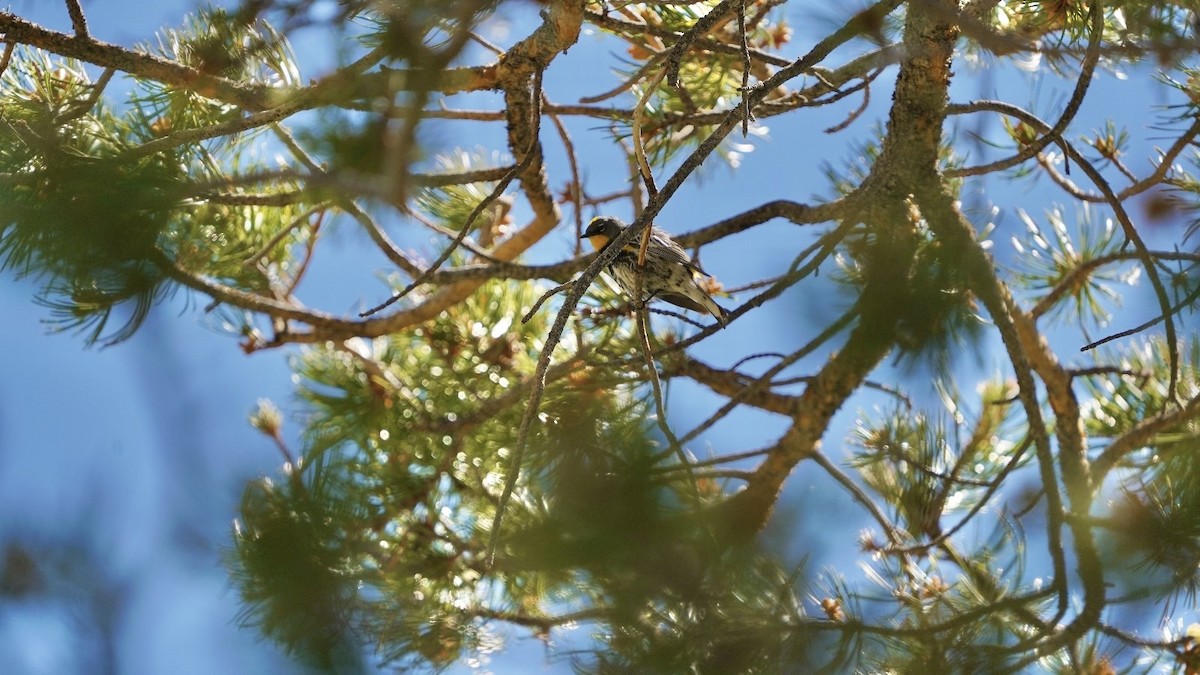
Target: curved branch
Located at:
point(329, 324)
point(616, 25)
point(1075, 277)
point(731, 383)
point(760, 383)
point(1154, 179)
point(1083, 81)
point(858, 494)
point(1139, 436)
point(1127, 226)
point(701, 28)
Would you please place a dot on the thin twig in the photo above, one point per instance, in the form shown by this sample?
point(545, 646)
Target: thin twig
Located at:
point(604, 199)
point(274, 241)
point(715, 461)
point(78, 21)
point(628, 82)
point(539, 380)
point(541, 623)
point(444, 113)
point(575, 189)
point(1074, 277)
point(675, 315)
point(1191, 297)
point(1144, 643)
point(730, 383)
point(1140, 436)
point(764, 379)
point(1054, 133)
point(310, 247)
point(450, 234)
point(542, 300)
point(1140, 375)
point(617, 25)
point(254, 199)
point(389, 249)
point(501, 186)
point(699, 29)
point(486, 44)
point(639, 149)
point(326, 324)
point(823, 248)
point(857, 493)
point(233, 126)
point(992, 488)
point(751, 357)
point(460, 177)
point(746, 114)
point(82, 108)
point(660, 407)
point(734, 474)
point(862, 107)
point(379, 237)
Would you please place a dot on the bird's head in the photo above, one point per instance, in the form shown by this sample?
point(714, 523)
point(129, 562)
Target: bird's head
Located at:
point(602, 230)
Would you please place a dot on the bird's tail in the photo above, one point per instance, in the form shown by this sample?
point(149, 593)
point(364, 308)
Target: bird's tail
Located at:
point(718, 312)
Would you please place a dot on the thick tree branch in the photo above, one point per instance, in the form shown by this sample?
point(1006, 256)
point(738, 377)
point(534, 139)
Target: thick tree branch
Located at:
point(141, 64)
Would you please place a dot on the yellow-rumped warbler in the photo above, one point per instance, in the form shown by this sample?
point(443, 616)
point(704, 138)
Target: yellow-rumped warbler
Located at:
point(670, 273)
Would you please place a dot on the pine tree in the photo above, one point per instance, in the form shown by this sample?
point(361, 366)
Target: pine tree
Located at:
point(489, 444)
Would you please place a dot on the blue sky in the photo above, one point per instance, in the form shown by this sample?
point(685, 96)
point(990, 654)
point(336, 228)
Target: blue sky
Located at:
point(122, 468)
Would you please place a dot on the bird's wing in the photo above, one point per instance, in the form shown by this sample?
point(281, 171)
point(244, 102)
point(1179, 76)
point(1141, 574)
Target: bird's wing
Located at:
point(670, 252)
point(681, 300)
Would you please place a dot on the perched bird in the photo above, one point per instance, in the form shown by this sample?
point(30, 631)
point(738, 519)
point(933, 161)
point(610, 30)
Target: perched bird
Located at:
point(670, 273)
